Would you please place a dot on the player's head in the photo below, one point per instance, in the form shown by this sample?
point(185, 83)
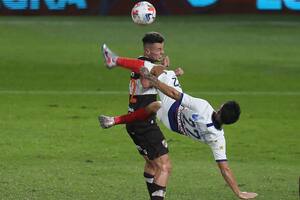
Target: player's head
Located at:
point(229, 112)
point(153, 45)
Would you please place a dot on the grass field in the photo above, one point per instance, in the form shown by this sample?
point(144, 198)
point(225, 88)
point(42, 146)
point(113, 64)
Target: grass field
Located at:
point(53, 86)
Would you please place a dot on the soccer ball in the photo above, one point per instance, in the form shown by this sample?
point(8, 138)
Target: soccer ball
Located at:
point(143, 13)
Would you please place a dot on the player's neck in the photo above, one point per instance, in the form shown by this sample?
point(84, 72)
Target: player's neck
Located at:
point(216, 121)
point(144, 57)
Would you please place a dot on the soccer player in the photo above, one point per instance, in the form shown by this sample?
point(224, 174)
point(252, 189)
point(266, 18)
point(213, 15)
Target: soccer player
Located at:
point(146, 134)
point(182, 113)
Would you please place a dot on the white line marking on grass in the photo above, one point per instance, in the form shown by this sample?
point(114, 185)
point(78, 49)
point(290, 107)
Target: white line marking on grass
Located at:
point(213, 93)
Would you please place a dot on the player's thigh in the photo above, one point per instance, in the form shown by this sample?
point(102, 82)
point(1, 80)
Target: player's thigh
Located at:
point(167, 110)
point(149, 140)
point(162, 115)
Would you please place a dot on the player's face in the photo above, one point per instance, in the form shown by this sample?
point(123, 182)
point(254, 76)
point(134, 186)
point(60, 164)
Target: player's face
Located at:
point(154, 51)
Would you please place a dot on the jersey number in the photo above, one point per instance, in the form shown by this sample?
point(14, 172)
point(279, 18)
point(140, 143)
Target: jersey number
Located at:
point(191, 123)
point(176, 82)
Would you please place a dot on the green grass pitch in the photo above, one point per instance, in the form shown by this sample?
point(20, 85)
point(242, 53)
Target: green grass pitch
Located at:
point(53, 85)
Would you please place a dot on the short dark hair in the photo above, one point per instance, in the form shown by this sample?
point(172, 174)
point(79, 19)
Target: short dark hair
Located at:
point(230, 112)
point(153, 37)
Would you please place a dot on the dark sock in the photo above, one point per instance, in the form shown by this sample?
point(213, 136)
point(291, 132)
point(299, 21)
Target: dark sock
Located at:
point(158, 193)
point(149, 181)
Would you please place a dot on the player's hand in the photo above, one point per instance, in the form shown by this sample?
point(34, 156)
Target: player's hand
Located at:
point(148, 79)
point(247, 195)
point(178, 71)
point(165, 61)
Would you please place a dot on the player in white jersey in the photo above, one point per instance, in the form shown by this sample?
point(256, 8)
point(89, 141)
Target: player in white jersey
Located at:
point(193, 117)
point(189, 116)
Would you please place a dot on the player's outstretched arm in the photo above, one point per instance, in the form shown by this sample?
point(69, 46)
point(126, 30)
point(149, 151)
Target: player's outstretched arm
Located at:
point(229, 178)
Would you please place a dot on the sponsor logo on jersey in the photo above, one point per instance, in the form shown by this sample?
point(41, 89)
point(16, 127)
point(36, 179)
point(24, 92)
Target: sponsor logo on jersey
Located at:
point(195, 117)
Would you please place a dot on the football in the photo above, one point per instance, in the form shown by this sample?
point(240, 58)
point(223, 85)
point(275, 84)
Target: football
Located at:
point(143, 13)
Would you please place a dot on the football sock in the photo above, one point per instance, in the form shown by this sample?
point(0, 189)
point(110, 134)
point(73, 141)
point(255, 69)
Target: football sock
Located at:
point(149, 178)
point(130, 63)
point(159, 192)
point(138, 115)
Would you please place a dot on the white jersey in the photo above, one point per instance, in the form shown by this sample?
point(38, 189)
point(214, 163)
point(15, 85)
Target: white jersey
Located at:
point(191, 117)
point(135, 85)
point(194, 119)
point(136, 88)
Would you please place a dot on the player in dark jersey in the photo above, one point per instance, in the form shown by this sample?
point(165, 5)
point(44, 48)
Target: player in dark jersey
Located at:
point(146, 135)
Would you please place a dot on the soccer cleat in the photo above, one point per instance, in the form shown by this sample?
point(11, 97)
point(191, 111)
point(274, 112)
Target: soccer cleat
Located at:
point(109, 57)
point(106, 121)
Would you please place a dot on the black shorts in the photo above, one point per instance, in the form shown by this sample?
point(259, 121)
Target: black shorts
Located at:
point(148, 138)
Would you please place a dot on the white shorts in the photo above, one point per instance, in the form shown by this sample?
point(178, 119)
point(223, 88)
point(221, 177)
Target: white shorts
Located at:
point(163, 114)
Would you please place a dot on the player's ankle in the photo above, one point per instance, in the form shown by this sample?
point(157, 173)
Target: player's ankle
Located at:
point(159, 192)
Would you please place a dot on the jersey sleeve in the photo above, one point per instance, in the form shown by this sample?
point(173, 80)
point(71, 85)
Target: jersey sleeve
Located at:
point(218, 148)
point(193, 103)
point(149, 65)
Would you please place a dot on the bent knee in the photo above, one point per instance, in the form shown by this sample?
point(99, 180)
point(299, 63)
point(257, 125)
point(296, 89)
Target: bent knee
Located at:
point(153, 107)
point(166, 167)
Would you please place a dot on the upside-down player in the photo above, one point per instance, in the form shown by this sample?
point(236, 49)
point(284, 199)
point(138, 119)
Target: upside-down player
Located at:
point(182, 113)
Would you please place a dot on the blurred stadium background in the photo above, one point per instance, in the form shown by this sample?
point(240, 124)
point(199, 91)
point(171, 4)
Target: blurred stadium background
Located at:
point(165, 7)
point(53, 85)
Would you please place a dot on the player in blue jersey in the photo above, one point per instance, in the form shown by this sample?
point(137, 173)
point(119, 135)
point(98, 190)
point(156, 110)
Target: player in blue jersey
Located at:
point(184, 114)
